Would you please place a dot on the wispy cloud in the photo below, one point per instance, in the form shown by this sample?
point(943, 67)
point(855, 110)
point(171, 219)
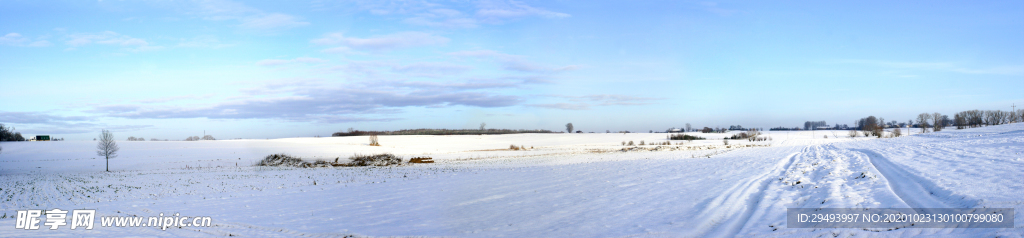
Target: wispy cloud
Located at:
point(563, 106)
point(584, 102)
point(276, 62)
point(939, 66)
point(248, 17)
point(39, 118)
point(442, 17)
point(497, 11)
point(431, 69)
point(271, 21)
point(175, 98)
point(454, 14)
point(15, 39)
point(110, 38)
point(322, 103)
point(514, 62)
point(44, 123)
point(381, 43)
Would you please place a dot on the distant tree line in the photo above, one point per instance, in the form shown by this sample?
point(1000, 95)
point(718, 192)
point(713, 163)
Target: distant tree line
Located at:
point(977, 118)
point(351, 132)
point(196, 138)
point(811, 125)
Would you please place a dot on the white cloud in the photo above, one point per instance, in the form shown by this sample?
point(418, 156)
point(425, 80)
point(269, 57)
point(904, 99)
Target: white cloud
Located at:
point(15, 39)
point(385, 42)
point(513, 62)
point(442, 18)
point(940, 66)
point(586, 101)
point(322, 103)
point(110, 38)
point(431, 69)
point(276, 62)
point(272, 21)
point(563, 106)
point(248, 17)
point(12, 38)
point(452, 14)
point(503, 10)
point(337, 50)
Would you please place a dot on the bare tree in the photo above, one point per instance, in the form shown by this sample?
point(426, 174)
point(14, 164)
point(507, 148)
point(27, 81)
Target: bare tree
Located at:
point(896, 132)
point(960, 119)
point(993, 117)
point(688, 128)
point(937, 119)
point(853, 133)
point(107, 147)
point(922, 121)
point(483, 125)
point(568, 127)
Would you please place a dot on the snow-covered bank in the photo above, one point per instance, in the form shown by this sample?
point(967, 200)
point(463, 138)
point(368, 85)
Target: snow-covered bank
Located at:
point(569, 185)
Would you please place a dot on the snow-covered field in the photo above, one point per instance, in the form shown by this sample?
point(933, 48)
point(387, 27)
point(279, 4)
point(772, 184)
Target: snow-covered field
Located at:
point(579, 185)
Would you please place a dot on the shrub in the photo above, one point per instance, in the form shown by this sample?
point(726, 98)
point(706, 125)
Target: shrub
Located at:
point(384, 159)
point(514, 147)
point(281, 160)
point(630, 143)
point(641, 142)
point(853, 133)
point(373, 140)
point(421, 160)
point(278, 160)
point(684, 137)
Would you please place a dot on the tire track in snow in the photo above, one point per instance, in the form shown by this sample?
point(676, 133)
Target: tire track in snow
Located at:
point(915, 191)
point(726, 214)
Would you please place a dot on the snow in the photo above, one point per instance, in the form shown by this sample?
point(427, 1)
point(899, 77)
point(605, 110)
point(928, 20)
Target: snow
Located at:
point(567, 185)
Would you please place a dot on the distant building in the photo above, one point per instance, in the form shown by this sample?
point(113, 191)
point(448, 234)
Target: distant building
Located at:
point(673, 129)
point(42, 138)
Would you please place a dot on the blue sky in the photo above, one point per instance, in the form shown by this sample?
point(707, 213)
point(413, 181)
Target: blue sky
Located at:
point(271, 69)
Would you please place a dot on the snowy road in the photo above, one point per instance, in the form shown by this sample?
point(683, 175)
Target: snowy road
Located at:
point(557, 191)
